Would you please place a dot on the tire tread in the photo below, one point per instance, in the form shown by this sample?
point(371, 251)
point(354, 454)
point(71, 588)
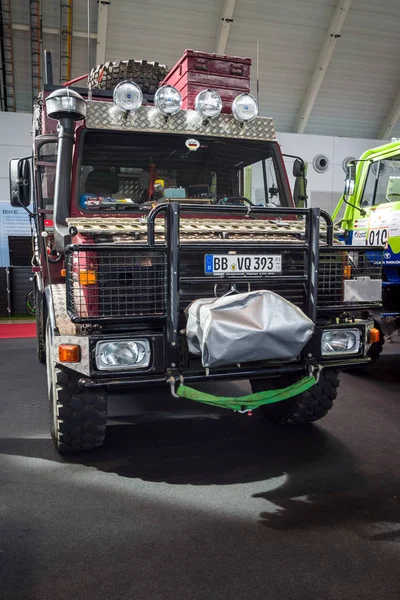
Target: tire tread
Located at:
point(146, 74)
point(82, 414)
point(308, 407)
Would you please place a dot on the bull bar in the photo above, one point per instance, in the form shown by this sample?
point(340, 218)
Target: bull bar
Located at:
point(169, 313)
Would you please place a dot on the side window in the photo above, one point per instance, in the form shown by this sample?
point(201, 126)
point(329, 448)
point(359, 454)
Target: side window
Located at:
point(383, 182)
point(265, 191)
point(46, 161)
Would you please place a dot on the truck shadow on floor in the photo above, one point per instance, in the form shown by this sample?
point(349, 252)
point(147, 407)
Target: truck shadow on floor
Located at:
point(224, 451)
point(207, 448)
point(311, 479)
point(370, 514)
point(385, 370)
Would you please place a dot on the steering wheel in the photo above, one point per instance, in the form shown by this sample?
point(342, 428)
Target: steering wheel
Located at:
point(235, 198)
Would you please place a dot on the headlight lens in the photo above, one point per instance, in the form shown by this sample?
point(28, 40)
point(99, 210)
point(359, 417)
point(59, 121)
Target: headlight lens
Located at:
point(245, 108)
point(120, 355)
point(168, 100)
point(208, 104)
point(128, 96)
point(340, 341)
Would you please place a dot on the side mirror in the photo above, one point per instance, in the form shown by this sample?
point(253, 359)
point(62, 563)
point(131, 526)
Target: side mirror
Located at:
point(300, 193)
point(300, 185)
point(350, 181)
point(298, 168)
point(20, 182)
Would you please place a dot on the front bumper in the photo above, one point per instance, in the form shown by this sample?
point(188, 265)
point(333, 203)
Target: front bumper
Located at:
point(300, 369)
point(159, 372)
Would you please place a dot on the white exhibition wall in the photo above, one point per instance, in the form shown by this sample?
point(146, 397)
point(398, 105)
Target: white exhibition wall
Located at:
point(15, 142)
point(324, 189)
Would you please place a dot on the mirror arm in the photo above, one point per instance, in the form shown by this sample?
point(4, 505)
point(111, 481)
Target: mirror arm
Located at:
point(294, 156)
point(361, 210)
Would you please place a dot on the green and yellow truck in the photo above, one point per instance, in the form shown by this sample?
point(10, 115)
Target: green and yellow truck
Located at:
point(371, 202)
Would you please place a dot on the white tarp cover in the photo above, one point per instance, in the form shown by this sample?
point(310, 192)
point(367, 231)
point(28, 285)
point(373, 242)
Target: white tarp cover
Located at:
point(239, 328)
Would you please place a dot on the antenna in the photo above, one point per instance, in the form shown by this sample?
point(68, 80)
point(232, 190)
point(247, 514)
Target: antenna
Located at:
point(257, 70)
point(88, 47)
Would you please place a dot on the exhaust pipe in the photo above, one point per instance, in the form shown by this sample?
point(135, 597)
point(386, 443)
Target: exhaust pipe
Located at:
point(66, 106)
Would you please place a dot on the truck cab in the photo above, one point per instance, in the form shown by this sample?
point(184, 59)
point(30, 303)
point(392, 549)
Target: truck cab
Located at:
point(169, 251)
point(371, 202)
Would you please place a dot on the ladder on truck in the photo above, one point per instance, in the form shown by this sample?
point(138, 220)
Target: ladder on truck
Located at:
point(66, 16)
point(36, 47)
point(7, 59)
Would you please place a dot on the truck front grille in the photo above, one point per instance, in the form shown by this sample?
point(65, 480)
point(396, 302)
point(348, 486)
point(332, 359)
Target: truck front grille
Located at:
point(335, 266)
point(127, 283)
point(115, 284)
point(194, 284)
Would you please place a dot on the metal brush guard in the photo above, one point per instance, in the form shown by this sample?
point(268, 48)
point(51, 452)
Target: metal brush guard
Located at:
point(151, 281)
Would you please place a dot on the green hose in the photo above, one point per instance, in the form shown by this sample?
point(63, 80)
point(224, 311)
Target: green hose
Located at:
point(251, 401)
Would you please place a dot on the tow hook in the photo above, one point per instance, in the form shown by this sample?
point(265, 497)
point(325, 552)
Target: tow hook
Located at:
point(244, 411)
point(172, 382)
point(314, 370)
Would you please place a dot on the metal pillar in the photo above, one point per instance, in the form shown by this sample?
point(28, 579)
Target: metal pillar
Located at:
point(66, 19)
point(36, 47)
point(6, 59)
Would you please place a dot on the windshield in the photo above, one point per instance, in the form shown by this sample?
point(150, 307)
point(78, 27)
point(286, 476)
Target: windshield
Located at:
point(383, 182)
point(121, 171)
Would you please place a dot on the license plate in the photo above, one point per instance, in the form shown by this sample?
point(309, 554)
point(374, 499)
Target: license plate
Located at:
point(240, 264)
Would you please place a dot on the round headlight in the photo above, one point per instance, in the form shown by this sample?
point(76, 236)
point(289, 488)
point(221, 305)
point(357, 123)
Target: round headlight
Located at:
point(128, 96)
point(245, 108)
point(168, 100)
point(208, 104)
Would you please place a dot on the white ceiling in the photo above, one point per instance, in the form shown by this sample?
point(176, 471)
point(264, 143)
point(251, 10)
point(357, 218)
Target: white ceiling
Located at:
point(359, 88)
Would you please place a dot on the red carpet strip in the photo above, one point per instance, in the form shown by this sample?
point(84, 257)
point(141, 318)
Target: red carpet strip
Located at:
point(17, 330)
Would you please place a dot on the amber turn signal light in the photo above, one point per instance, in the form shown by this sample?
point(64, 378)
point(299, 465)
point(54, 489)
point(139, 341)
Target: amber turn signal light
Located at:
point(69, 353)
point(373, 335)
point(347, 272)
point(87, 277)
point(63, 272)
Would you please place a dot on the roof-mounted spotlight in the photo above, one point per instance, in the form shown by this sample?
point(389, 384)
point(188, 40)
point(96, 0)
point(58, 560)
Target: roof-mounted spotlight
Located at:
point(128, 96)
point(208, 104)
point(168, 100)
point(245, 108)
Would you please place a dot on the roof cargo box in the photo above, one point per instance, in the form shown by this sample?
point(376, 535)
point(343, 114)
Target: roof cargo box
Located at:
point(197, 71)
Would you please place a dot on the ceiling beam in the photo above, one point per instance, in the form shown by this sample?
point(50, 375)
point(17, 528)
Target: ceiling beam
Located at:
point(391, 120)
point(53, 31)
point(225, 25)
point(332, 36)
point(102, 20)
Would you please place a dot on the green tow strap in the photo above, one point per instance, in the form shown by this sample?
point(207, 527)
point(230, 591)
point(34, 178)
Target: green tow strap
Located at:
point(250, 402)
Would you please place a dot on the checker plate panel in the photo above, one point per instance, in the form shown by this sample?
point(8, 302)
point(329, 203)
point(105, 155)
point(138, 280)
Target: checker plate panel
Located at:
point(105, 115)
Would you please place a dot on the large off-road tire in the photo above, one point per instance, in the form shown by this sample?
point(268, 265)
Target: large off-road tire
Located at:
point(376, 349)
point(40, 328)
point(78, 416)
point(146, 74)
point(305, 408)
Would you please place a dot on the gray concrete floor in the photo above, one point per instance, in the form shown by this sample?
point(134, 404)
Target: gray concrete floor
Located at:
point(189, 503)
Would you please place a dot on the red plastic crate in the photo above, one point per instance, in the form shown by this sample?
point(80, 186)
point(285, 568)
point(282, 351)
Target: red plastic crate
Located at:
point(197, 71)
